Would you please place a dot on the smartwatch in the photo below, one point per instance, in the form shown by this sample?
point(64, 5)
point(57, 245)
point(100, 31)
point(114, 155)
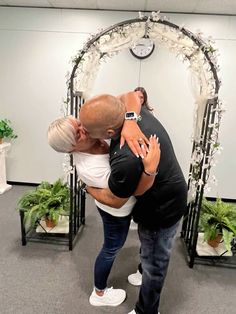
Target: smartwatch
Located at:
point(131, 115)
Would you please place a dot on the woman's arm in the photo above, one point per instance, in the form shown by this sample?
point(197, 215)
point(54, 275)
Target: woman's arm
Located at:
point(105, 196)
point(150, 163)
point(131, 102)
point(131, 132)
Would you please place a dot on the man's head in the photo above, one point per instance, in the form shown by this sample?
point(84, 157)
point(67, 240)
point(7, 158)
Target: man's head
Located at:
point(102, 116)
point(66, 135)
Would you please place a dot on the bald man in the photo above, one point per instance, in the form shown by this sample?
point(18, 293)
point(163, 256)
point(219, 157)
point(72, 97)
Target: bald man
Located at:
point(159, 210)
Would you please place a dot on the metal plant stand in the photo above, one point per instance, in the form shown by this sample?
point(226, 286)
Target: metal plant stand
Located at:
point(76, 217)
point(74, 221)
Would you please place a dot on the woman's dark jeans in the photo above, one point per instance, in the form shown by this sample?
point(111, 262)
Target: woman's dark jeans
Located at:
point(115, 233)
point(155, 255)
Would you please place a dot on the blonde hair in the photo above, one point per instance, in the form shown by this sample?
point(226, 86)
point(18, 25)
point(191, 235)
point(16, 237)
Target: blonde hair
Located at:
point(62, 135)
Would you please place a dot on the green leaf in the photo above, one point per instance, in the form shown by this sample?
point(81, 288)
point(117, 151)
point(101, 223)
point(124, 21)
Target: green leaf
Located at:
point(228, 237)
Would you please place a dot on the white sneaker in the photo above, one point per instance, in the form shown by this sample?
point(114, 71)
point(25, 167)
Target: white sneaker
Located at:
point(111, 297)
point(135, 279)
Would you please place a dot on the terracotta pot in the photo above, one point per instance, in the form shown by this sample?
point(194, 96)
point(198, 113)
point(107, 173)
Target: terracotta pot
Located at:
point(215, 242)
point(50, 223)
point(1, 140)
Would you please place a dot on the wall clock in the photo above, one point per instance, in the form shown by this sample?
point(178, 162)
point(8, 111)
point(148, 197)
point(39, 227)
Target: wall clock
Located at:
point(143, 48)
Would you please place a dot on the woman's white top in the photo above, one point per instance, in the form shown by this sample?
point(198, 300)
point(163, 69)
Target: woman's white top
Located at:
point(94, 170)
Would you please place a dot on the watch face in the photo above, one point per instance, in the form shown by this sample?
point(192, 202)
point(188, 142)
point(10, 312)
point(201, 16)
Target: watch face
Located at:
point(143, 48)
point(129, 115)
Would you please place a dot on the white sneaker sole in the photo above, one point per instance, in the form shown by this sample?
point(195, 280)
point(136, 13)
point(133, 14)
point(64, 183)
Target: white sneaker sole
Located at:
point(101, 303)
point(135, 284)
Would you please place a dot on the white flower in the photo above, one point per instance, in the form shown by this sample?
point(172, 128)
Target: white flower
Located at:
point(207, 188)
point(214, 180)
point(156, 16)
point(141, 16)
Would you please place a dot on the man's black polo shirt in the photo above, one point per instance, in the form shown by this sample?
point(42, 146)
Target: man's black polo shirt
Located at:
point(165, 202)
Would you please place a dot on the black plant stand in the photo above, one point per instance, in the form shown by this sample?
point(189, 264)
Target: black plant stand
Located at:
point(190, 234)
point(76, 219)
point(77, 202)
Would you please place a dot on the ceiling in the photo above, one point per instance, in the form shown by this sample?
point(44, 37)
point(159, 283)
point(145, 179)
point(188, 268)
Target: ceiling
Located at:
point(227, 7)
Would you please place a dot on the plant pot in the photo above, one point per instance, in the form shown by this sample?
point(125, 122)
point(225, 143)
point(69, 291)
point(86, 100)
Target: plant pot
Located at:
point(50, 223)
point(1, 140)
point(215, 242)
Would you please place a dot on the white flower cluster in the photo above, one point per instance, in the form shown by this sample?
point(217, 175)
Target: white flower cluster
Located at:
point(67, 168)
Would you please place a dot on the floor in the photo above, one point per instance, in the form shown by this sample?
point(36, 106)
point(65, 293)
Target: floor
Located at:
point(48, 279)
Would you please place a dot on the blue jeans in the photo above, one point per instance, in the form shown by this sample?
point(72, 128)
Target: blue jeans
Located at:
point(155, 255)
point(115, 233)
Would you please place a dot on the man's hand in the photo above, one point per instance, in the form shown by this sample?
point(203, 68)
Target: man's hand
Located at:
point(106, 197)
point(134, 137)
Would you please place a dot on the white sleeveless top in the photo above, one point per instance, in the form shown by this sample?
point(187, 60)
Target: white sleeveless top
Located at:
point(94, 170)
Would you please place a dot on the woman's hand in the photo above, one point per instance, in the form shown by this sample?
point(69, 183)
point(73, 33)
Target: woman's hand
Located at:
point(150, 163)
point(152, 159)
point(134, 137)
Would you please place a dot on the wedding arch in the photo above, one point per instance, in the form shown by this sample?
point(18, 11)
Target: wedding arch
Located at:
point(201, 57)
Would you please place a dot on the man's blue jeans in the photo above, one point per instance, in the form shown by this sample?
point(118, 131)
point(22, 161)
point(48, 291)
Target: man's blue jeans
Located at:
point(115, 233)
point(155, 255)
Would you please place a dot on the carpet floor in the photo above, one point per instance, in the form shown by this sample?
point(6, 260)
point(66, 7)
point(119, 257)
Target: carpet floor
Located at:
point(49, 279)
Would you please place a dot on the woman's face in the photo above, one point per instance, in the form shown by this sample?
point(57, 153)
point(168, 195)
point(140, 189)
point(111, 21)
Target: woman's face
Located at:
point(141, 97)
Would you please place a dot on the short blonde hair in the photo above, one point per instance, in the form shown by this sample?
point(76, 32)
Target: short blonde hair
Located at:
point(62, 135)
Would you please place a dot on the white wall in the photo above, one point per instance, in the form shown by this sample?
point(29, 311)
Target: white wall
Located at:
point(35, 48)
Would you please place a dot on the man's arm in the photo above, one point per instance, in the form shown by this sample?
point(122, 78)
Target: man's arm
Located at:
point(105, 196)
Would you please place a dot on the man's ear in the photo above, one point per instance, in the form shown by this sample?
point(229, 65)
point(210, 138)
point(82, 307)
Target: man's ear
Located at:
point(110, 133)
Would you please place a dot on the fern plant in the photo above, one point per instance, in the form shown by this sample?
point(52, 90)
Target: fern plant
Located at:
point(47, 200)
point(218, 218)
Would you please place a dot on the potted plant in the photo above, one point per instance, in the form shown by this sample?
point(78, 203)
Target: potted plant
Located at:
point(47, 201)
point(6, 130)
point(218, 221)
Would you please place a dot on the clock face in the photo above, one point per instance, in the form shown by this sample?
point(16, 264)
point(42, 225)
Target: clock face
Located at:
point(143, 48)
